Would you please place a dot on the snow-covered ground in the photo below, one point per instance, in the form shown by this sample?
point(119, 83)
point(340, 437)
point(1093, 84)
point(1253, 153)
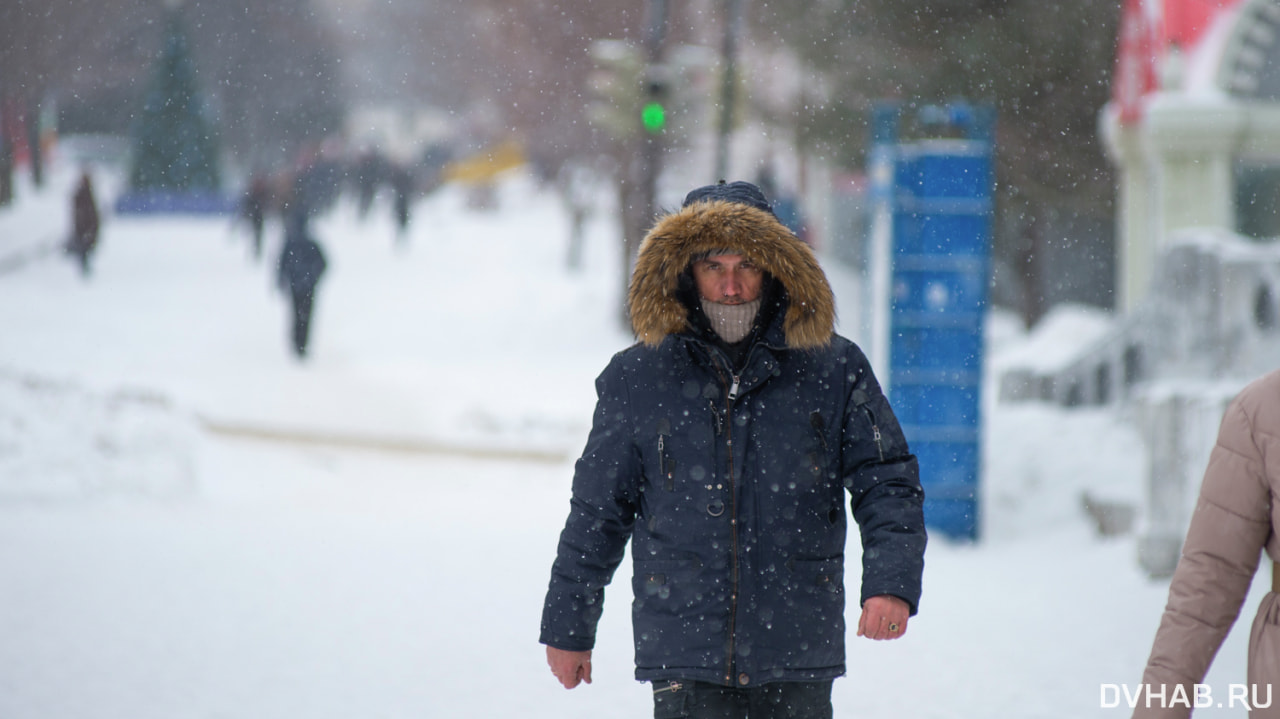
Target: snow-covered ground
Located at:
point(195, 524)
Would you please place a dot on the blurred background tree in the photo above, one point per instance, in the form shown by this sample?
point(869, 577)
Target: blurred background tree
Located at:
point(1045, 67)
point(175, 146)
point(282, 76)
point(267, 71)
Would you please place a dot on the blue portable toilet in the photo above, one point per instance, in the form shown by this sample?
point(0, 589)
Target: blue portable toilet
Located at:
point(941, 206)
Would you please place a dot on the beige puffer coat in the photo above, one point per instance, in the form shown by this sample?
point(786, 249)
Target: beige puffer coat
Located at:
point(1233, 521)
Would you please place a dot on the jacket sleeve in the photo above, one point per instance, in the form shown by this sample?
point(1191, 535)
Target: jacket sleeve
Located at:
point(602, 512)
point(883, 480)
point(1228, 529)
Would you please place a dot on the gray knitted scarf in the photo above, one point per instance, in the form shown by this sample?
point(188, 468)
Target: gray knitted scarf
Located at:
point(731, 322)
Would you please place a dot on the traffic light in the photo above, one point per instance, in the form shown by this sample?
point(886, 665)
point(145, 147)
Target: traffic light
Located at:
point(653, 115)
point(628, 96)
point(615, 87)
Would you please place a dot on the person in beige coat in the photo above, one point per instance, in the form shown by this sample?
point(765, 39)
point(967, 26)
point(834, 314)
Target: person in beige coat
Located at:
point(1233, 522)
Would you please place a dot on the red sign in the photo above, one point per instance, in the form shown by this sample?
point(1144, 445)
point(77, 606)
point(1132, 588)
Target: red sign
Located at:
point(1148, 30)
point(1186, 20)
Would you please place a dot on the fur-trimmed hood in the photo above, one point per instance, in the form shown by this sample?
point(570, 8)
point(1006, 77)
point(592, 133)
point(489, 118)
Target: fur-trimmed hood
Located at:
point(677, 238)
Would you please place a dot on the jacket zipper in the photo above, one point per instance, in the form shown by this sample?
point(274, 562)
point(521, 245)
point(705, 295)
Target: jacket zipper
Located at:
point(672, 686)
point(666, 467)
point(732, 395)
point(733, 537)
point(875, 430)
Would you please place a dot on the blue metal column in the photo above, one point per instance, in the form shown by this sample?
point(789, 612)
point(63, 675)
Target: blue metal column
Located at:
point(941, 250)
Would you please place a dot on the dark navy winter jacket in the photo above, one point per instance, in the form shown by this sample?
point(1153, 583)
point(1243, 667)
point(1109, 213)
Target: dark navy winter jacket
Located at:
point(730, 484)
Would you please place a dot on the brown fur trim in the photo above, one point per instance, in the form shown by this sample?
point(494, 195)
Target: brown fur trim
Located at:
point(676, 238)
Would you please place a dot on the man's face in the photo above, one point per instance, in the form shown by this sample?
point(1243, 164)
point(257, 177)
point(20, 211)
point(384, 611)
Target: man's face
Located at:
point(728, 279)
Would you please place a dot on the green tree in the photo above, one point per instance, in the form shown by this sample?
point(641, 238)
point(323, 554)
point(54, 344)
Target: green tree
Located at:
point(269, 70)
point(174, 144)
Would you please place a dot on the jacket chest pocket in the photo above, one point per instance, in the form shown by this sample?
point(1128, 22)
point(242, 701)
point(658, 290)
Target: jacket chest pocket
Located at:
point(678, 455)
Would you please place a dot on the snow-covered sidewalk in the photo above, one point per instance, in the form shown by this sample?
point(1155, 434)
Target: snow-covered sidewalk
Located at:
point(194, 524)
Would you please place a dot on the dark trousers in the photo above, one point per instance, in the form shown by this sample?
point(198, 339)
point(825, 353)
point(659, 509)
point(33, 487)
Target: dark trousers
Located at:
point(302, 319)
point(782, 700)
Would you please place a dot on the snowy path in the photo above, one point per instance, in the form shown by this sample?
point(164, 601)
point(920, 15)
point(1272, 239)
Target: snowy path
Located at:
point(338, 584)
point(156, 570)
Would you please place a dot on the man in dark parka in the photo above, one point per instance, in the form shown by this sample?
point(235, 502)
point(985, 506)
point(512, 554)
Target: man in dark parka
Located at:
point(722, 446)
point(301, 265)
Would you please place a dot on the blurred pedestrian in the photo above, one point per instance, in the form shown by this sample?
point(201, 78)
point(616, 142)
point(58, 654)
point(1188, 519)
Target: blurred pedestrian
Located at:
point(84, 223)
point(402, 188)
point(300, 267)
point(253, 208)
point(577, 185)
point(1234, 522)
point(6, 167)
point(369, 171)
point(785, 204)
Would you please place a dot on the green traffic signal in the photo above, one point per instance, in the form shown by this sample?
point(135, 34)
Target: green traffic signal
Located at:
point(653, 117)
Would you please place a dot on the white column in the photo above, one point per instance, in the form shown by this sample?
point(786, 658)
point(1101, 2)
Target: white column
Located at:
point(1135, 200)
point(1192, 145)
point(1175, 171)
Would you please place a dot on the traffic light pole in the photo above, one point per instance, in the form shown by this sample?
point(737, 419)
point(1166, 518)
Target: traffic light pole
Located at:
point(651, 140)
point(639, 195)
point(729, 81)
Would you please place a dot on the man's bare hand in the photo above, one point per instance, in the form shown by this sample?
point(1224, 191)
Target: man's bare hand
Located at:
point(570, 668)
point(883, 617)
